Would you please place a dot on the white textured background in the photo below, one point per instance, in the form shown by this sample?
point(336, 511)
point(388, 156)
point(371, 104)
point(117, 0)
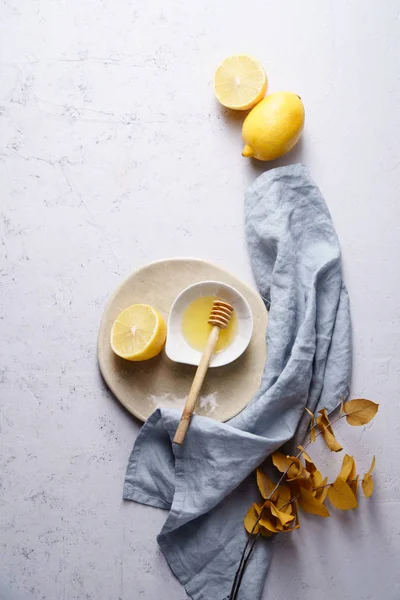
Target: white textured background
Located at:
point(113, 153)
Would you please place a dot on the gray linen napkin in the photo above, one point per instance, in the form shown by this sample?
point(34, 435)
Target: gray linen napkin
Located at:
point(205, 483)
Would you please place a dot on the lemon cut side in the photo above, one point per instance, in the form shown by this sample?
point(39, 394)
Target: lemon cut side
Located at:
point(138, 333)
point(240, 82)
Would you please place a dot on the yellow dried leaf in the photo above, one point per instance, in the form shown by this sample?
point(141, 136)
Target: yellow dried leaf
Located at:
point(258, 507)
point(313, 433)
point(316, 479)
point(360, 412)
point(367, 485)
point(296, 517)
point(301, 448)
point(293, 527)
point(300, 483)
point(281, 461)
point(323, 414)
point(324, 426)
point(329, 437)
point(290, 526)
point(251, 520)
point(322, 491)
point(372, 465)
point(287, 508)
point(341, 495)
point(332, 442)
point(268, 523)
point(282, 517)
point(310, 467)
point(353, 472)
point(348, 473)
point(266, 486)
point(287, 528)
point(303, 476)
point(274, 520)
point(311, 415)
point(310, 504)
point(367, 482)
point(296, 469)
point(306, 456)
point(283, 499)
point(347, 467)
point(353, 483)
point(264, 532)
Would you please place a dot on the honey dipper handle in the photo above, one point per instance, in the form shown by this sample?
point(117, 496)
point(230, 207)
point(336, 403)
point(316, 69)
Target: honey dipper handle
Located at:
point(194, 393)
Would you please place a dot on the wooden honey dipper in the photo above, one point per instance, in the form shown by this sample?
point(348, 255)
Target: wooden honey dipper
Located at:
point(219, 318)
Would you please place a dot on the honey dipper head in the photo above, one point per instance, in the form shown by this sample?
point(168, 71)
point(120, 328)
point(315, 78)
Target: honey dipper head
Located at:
point(221, 314)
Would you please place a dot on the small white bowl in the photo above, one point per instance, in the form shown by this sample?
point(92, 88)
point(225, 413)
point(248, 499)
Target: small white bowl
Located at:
point(178, 349)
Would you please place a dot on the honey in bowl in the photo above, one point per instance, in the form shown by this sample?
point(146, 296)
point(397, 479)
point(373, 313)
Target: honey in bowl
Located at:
point(196, 329)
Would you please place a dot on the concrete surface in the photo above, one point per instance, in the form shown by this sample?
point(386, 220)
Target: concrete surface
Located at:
point(114, 153)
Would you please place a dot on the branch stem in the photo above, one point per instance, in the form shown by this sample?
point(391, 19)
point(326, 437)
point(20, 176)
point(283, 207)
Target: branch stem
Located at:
point(252, 540)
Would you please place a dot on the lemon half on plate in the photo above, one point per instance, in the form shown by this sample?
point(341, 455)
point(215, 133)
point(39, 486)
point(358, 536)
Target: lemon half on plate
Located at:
point(138, 333)
point(240, 82)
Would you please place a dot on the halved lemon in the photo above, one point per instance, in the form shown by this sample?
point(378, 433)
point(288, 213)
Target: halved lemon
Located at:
point(138, 333)
point(240, 82)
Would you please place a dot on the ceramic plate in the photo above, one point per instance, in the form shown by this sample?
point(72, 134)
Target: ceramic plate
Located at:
point(143, 386)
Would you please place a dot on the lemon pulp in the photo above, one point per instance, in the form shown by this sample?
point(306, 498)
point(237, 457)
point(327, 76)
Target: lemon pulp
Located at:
point(195, 327)
point(138, 333)
point(240, 82)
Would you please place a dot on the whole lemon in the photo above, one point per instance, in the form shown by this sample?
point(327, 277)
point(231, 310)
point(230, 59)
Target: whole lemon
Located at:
point(273, 126)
